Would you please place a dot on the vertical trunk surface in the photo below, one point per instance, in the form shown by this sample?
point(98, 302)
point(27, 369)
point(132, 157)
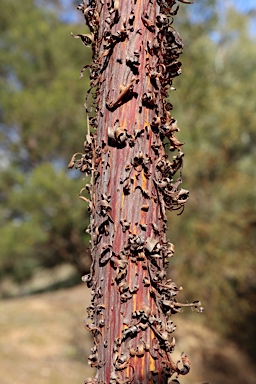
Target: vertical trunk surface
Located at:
point(135, 58)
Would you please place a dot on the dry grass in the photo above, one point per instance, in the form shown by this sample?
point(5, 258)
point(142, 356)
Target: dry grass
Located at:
point(43, 341)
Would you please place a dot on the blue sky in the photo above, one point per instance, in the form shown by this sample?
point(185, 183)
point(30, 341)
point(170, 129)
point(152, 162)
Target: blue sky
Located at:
point(243, 5)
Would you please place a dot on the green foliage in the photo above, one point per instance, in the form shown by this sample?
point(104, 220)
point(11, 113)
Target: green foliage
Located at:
point(215, 238)
point(40, 203)
point(42, 221)
point(41, 92)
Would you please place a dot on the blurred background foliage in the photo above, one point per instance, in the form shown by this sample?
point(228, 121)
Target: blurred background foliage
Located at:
point(42, 123)
point(215, 237)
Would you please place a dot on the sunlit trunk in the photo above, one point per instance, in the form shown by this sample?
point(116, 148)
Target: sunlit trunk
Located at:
point(135, 58)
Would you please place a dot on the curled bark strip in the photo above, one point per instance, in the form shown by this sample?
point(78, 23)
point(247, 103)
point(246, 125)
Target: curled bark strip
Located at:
point(186, 1)
point(125, 90)
point(86, 39)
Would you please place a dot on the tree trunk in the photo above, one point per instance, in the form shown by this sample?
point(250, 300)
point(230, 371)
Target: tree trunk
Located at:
point(135, 58)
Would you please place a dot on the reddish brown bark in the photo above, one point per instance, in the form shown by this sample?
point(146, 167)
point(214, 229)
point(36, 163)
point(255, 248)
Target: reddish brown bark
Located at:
point(135, 52)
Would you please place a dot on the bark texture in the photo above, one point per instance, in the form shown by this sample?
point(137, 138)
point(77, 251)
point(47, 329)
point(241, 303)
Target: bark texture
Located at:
point(135, 58)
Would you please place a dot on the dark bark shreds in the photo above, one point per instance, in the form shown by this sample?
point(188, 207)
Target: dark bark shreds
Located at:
point(135, 59)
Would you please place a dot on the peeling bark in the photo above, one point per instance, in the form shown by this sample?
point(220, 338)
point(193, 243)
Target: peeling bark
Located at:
point(135, 58)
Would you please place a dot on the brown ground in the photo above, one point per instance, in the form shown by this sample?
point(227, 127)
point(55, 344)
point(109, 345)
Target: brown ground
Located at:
point(42, 341)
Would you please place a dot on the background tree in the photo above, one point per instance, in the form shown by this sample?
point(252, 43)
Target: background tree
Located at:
point(41, 116)
point(219, 220)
